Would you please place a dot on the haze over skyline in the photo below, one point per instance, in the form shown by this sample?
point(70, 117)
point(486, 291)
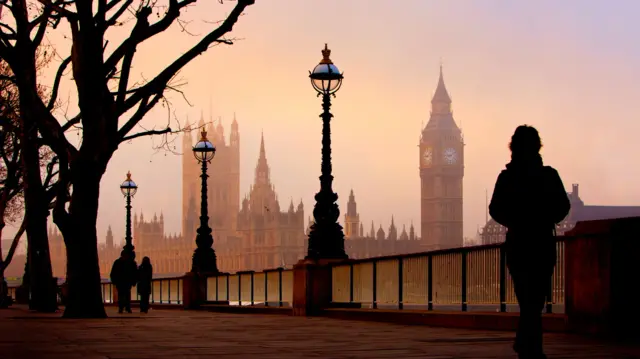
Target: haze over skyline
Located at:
point(569, 69)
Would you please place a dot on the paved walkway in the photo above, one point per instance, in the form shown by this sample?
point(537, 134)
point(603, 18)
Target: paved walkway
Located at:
point(178, 334)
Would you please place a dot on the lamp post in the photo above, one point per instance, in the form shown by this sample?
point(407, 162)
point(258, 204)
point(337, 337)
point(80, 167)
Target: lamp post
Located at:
point(326, 239)
point(204, 257)
point(129, 189)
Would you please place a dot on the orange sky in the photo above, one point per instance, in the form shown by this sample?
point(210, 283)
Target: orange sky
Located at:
point(548, 65)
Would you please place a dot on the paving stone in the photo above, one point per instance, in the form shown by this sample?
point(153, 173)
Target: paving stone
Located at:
point(193, 334)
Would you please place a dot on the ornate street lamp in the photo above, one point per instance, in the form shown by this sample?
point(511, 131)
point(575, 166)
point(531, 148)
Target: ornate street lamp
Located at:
point(326, 239)
point(129, 189)
point(204, 257)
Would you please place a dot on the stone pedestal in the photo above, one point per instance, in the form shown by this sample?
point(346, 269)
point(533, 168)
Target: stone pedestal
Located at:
point(312, 286)
point(194, 289)
point(193, 294)
point(601, 276)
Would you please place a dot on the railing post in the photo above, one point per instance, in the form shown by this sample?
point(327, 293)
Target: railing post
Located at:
point(400, 282)
point(266, 289)
point(160, 291)
point(179, 301)
point(228, 293)
point(168, 291)
point(239, 288)
point(206, 288)
point(350, 282)
point(374, 300)
point(217, 288)
point(430, 282)
point(280, 287)
point(463, 292)
point(549, 296)
point(503, 280)
point(252, 301)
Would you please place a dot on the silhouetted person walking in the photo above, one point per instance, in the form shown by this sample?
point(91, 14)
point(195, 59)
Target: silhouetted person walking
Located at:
point(145, 274)
point(124, 275)
point(529, 199)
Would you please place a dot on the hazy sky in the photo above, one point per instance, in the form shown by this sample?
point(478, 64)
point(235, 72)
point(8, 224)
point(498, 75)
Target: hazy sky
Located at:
point(569, 68)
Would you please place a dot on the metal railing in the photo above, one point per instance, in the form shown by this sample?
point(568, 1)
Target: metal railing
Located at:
point(269, 288)
point(164, 290)
point(11, 291)
point(467, 279)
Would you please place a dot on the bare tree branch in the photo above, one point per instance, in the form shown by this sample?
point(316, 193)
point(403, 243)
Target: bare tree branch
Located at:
point(148, 133)
point(114, 18)
point(159, 83)
point(56, 82)
point(14, 245)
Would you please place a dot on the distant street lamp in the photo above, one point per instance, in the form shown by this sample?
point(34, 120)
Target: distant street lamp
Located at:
point(129, 189)
point(326, 239)
point(204, 257)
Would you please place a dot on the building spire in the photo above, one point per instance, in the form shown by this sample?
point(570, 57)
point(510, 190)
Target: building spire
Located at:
point(262, 168)
point(210, 109)
point(262, 151)
point(441, 95)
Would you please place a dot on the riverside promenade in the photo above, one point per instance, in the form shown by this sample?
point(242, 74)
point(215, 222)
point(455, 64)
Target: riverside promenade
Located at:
point(201, 334)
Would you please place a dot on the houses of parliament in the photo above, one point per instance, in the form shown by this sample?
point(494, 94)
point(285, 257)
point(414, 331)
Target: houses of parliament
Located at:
point(255, 233)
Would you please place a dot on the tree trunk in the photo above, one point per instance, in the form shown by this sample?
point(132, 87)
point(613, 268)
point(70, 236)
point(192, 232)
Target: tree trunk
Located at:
point(81, 239)
point(42, 287)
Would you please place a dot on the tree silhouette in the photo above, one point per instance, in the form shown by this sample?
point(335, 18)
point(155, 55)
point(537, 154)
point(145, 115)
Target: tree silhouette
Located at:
point(12, 201)
point(109, 107)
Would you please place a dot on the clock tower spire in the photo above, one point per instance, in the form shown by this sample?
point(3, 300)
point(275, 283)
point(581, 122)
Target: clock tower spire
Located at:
point(441, 172)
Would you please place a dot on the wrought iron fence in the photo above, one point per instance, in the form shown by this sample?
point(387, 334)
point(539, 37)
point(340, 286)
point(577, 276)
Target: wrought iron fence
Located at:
point(467, 279)
point(269, 288)
point(163, 291)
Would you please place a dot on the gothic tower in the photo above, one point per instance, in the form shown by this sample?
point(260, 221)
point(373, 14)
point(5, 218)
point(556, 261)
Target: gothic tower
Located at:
point(190, 183)
point(109, 238)
point(223, 182)
point(234, 173)
point(352, 219)
point(441, 172)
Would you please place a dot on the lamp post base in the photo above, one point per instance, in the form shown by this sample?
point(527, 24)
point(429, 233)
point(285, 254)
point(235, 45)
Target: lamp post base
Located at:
point(326, 239)
point(204, 261)
point(327, 242)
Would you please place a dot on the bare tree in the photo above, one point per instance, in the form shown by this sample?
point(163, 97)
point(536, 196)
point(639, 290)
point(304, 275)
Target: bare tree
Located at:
point(107, 117)
point(12, 202)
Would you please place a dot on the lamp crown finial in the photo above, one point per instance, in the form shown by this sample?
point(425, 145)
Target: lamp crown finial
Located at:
point(204, 134)
point(326, 53)
point(128, 175)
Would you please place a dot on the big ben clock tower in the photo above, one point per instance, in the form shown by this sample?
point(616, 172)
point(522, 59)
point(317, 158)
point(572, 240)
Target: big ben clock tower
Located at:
point(441, 172)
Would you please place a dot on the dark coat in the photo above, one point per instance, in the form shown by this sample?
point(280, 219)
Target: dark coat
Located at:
point(145, 274)
point(529, 199)
point(124, 273)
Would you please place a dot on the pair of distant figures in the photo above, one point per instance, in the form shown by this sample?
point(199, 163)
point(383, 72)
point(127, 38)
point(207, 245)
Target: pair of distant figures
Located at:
point(125, 275)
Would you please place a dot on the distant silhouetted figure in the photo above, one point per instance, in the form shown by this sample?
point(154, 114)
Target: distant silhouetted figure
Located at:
point(124, 275)
point(145, 274)
point(529, 199)
point(5, 299)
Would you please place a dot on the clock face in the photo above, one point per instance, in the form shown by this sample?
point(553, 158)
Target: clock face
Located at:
point(450, 156)
point(427, 156)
